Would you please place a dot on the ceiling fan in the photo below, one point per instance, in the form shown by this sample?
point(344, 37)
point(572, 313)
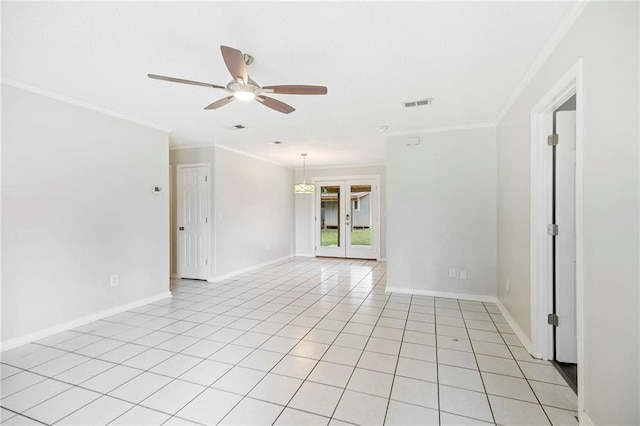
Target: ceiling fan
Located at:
point(244, 88)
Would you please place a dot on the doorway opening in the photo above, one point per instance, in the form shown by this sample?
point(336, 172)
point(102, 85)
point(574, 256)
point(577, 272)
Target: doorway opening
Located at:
point(347, 213)
point(556, 229)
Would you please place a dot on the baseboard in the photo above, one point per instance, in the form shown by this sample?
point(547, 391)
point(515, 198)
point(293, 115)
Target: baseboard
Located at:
point(174, 276)
point(584, 419)
point(382, 259)
point(248, 269)
point(303, 255)
point(515, 327)
point(38, 335)
point(445, 294)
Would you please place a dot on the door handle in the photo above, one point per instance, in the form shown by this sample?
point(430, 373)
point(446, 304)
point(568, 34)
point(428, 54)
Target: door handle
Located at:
point(181, 228)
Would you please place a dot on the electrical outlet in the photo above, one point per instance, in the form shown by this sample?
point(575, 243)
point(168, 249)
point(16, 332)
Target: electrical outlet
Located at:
point(463, 275)
point(507, 286)
point(452, 273)
point(113, 280)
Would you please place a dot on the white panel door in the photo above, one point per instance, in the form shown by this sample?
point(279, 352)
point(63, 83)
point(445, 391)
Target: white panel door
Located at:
point(346, 218)
point(193, 221)
point(565, 261)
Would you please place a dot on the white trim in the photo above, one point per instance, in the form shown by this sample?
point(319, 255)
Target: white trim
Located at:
point(78, 102)
point(38, 335)
point(584, 419)
point(303, 255)
point(226, 148)
point(569, 17)
point(514, 326)
point(442, 129)
point(332, 178)
point(443, 294)
point(210, 224)
point(541, 297)
point(248, 269)
point(344, 166)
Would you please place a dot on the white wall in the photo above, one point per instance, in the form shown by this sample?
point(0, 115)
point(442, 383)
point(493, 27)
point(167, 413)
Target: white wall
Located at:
point(252, 209)
point(441, 203)
point(77, 207)
point(304, 205)
point(606, 36)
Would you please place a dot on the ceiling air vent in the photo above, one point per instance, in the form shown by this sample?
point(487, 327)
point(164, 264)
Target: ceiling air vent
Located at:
point(238, 126)
point(421, 102)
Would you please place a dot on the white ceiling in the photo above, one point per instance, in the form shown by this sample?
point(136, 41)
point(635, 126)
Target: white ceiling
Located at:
point(372, 56)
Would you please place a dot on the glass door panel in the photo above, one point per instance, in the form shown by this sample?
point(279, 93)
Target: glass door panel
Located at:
point(361, 223)
point(362, 219)
point(330, 219)
point(329, 214)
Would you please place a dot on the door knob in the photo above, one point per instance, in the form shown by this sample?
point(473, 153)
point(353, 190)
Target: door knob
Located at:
point(181, 228)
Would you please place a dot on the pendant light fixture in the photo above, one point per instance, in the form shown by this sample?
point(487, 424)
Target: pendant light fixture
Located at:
point(304, 187)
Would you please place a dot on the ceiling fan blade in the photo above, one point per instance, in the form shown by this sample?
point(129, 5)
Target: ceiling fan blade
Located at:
point(234, 61)
point(180, 80)
point(220, 103)
point(296, 89)
point(275, 104)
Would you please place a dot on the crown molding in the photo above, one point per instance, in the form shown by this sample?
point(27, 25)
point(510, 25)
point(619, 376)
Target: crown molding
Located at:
point(344, 166)
point(441, 129)
point(226, 148)
point(80, 103)
point(550, 45)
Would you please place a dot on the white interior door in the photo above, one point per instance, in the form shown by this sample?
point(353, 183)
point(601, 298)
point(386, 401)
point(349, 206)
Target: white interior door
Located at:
point(565, 261)
point(347, 219)
point(193, 221)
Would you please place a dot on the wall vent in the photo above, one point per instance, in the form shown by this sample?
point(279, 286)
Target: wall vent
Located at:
point(421, 102)
point(239, 126)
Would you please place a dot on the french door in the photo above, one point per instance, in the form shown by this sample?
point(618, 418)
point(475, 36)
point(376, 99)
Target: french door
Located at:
point(347, 218)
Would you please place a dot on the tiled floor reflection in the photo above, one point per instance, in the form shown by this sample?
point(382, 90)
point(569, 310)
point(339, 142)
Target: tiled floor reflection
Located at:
point(305, 342)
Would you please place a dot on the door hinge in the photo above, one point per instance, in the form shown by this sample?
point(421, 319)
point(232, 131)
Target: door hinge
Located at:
point(206, 220)
point(206, 178)
point(206, 261)
point(552, 229)
point(552, 319)
point(552, 140)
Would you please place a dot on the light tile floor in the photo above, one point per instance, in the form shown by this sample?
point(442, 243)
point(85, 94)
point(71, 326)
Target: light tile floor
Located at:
point(304, 342)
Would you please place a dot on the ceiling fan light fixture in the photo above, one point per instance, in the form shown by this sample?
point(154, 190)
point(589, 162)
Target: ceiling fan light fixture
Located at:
point(244, 95)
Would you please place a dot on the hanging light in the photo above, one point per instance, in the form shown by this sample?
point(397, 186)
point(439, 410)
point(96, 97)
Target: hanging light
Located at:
point(304, 187)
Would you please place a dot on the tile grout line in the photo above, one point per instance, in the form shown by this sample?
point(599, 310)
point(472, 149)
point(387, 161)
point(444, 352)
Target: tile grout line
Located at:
point(395, 370)
point(244, 396)
point(523, 375)
point(344, 390)
point(477, 364)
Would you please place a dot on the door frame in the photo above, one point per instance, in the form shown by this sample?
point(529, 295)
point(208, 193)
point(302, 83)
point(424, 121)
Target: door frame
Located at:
point(207, 209)
point(315, 213)
point(540, 209)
